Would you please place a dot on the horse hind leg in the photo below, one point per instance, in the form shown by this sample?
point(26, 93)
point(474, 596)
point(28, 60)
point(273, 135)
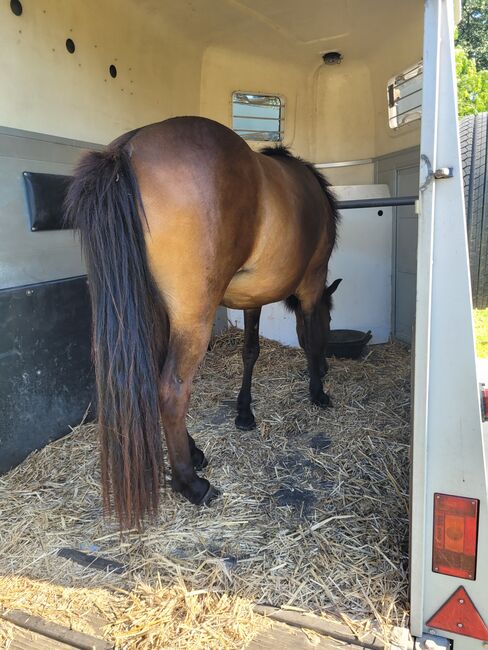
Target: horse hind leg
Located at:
point(185, 350)
point(245, 419)
point(197, 456)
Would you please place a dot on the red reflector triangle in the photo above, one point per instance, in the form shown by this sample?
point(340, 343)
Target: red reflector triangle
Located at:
point(459, 615)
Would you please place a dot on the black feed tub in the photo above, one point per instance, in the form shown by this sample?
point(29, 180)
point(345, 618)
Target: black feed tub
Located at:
point(347, 343)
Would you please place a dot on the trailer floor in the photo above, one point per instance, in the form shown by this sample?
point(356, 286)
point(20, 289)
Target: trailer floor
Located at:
point(45, 635)
point(313, 513)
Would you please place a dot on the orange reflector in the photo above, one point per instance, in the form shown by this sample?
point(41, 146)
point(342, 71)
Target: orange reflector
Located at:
point(459, 615)
point(455, 536)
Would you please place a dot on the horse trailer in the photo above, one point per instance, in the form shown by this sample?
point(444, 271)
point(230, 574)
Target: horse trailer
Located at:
point(367, 92)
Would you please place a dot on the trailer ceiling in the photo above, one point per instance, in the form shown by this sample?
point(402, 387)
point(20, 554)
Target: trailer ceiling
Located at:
point(280, 27)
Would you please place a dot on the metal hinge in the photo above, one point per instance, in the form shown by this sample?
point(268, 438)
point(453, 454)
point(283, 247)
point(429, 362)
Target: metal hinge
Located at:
point(431, 642)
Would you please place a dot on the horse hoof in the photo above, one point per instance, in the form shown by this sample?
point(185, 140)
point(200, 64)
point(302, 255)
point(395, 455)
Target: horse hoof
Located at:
point(322, 401)
point(211, 494)
point(198, 490)
point(245, 423)
point(198, 459)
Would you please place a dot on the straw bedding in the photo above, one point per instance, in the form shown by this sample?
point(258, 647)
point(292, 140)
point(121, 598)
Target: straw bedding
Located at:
point(313, 512)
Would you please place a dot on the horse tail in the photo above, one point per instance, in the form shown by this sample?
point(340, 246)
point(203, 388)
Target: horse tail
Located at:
point(130, 330)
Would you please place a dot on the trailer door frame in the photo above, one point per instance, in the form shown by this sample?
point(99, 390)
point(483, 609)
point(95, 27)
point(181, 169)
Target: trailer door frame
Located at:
point(449, 444)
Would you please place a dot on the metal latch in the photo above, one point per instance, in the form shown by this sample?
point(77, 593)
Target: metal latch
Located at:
point(442, 172)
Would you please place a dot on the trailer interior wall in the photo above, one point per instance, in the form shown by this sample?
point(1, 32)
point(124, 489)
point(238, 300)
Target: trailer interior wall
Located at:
point(226, 70)
point(48, 90)
point(332, 112)
point(186, 58)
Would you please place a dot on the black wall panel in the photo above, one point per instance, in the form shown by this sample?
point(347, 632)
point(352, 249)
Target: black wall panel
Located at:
point(46, 374)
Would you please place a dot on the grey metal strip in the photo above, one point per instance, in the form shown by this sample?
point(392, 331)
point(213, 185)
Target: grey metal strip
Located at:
point(393, 201)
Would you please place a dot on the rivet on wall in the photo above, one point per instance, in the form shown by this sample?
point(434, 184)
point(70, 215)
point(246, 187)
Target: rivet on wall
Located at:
point(16, 7)
point(70, 45)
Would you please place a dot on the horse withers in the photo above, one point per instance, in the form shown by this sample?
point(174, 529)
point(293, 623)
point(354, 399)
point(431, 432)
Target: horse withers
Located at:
point(177, 218)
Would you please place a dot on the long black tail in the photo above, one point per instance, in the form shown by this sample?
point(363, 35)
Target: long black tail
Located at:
point(129, 329)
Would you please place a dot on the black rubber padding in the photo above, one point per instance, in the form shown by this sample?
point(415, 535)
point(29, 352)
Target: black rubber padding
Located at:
point(45, 197)
point(46, 374)
point(474, 153)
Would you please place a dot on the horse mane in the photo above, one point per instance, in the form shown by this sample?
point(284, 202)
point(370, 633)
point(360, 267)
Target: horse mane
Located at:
point(280, 151)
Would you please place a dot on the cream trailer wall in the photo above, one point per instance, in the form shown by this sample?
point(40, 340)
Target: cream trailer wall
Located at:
point(225, 70)
point(46, 89)
point(186, 58)
point(351, 110)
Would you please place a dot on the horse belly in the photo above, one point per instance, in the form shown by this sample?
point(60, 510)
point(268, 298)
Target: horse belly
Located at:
point(249, 289)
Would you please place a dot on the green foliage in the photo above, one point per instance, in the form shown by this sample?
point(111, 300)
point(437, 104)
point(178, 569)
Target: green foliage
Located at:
point(481, 332)
point(472, 32)
point(472, 85)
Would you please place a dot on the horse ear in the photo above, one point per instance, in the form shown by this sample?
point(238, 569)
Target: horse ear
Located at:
point(332, 287)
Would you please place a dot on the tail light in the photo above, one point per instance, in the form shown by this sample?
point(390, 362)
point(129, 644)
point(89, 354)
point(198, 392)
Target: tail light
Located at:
point(455, 536)
point(484, 403)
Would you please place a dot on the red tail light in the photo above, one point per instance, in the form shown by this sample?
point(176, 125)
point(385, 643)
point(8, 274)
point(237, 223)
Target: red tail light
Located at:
point(455, 536)
point(484, 403)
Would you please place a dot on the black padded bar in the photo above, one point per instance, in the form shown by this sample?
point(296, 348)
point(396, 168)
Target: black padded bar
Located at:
point(45, 196)
point(393, 201)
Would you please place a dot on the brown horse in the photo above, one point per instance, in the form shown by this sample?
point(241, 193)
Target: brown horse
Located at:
point(177, 218)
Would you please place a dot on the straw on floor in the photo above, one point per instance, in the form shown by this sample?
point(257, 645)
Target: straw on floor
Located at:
point(313, 512)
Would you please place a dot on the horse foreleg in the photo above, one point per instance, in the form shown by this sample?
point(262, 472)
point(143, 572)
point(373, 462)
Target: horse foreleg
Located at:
point(250, 352)
point(185, 351)
point(300, 327)
point(314, 345)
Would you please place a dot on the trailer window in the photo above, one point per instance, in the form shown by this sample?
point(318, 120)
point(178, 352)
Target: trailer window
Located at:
point(257, 117)
point(405, 97)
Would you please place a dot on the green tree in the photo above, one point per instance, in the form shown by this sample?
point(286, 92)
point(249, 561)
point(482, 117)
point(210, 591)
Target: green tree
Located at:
point(472, 85)
point(472, 31)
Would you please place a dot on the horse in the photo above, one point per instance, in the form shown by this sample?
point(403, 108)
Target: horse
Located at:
point(175, 219)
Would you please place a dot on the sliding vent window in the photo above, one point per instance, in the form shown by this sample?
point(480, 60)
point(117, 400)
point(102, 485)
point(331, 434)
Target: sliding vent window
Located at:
point(405, 97)
point(257, 117)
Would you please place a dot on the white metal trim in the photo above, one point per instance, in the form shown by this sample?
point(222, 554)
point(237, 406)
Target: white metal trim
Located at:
point(344, 163)
point(423, 317)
